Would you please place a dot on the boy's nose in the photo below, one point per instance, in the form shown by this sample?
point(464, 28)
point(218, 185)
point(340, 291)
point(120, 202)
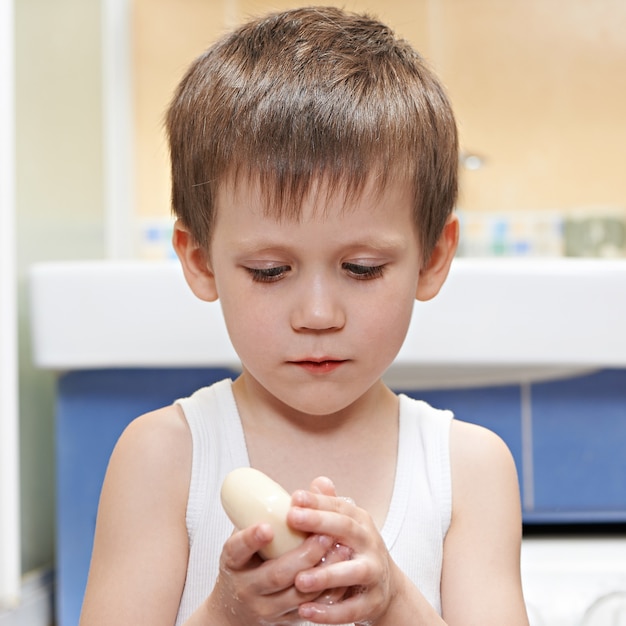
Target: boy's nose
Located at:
point(318, 306)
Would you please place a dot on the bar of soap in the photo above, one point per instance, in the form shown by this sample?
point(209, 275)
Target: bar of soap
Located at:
point(250, 497)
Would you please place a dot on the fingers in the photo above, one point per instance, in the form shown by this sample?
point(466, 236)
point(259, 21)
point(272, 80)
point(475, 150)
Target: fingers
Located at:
point(312, 580)
point(336, 554)
point(340, 574)
point(243, 545)
point(316, 550)
point(260, 591)
point(354, 559)
point(348, 611)
point(333, 516)
point(323, 485)
point(360, 604)
point(356, 585)
point(323, 501)
point(349, 573)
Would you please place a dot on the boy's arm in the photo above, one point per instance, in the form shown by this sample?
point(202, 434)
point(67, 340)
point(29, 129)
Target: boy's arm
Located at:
point(481, 583)
point(140, 551)
point(480, 580)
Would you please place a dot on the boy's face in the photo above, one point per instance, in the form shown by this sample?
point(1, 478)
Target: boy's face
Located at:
point(316, 308)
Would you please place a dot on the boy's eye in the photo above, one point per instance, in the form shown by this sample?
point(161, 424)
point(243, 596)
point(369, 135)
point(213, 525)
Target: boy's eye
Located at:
point(268, 274)
point(363, 272)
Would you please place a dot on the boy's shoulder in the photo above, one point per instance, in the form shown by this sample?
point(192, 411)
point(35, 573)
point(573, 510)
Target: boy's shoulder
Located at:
point(156, 442)
point(474, 446)
point(483, 471)
point(168, 422)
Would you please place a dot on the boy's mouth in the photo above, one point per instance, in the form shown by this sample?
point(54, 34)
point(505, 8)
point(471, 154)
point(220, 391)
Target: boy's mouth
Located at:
point(320, 366)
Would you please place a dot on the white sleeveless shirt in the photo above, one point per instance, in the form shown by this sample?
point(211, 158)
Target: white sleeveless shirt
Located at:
point(419, 512)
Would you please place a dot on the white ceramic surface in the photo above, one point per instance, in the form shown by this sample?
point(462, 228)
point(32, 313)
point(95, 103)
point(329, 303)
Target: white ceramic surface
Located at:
point(495, 321)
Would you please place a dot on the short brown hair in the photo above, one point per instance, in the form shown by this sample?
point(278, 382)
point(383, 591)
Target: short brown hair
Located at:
point(309, 93)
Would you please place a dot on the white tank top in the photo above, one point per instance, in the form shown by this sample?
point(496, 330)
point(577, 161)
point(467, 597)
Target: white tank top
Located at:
point(419, 512)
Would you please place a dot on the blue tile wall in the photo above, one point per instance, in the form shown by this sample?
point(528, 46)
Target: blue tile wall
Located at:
point(579, 428)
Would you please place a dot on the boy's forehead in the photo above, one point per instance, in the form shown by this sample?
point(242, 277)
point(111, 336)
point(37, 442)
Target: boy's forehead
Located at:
point(312, 197)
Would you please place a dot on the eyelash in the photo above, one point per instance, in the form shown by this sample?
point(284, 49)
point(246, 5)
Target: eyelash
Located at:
point(364, 272)
point(273, 274)
point(268, 274)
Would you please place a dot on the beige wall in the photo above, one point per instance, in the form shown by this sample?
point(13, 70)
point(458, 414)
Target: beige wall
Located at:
point(538, 86)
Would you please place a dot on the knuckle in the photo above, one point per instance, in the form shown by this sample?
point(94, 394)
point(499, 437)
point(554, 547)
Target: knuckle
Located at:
point(276, 576)
point(228, 555)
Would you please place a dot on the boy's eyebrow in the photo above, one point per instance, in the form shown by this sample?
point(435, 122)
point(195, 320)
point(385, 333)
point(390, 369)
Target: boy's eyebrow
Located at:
point(380, 242)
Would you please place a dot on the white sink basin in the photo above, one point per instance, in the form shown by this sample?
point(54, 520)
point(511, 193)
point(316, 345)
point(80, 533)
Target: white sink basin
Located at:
point(495, 321)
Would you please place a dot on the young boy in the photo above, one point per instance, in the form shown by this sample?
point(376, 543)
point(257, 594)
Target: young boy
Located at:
point(314, 168)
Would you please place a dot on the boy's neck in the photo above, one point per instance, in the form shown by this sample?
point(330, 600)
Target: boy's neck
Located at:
point(356, 448)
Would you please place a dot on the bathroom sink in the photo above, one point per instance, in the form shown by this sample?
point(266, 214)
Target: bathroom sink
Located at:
point(495, 321)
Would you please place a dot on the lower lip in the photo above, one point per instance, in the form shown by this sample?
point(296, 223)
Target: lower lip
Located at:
point(323, 367)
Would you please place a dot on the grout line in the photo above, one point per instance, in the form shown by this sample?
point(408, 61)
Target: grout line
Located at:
point(528, 469)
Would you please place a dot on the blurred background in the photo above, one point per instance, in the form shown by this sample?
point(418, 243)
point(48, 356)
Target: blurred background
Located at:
point(538, 86)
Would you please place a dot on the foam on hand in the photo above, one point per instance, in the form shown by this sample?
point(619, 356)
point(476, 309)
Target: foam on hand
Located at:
point(250, 497)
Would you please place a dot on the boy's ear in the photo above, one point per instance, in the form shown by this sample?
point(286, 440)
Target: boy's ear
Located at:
point(435, 271)
point(195, 262)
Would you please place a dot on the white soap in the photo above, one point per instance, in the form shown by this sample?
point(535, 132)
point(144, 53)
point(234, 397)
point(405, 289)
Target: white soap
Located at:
point(250, 497)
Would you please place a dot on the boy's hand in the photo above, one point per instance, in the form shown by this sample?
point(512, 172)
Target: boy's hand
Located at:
point(252, 591)
point(337, 552)
point(369, 575)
